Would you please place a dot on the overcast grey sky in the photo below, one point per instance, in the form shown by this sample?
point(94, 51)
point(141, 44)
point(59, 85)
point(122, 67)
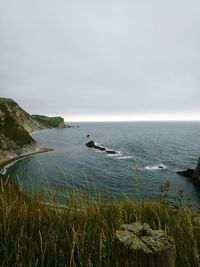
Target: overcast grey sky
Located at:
point(102, 59)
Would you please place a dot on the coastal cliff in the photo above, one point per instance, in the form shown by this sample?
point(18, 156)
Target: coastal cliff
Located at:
point(15, 126)
point(10, 110)
point(192, 173)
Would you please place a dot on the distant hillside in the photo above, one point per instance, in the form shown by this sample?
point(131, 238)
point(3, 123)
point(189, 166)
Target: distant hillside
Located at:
point(15, 125)
point(50, 122)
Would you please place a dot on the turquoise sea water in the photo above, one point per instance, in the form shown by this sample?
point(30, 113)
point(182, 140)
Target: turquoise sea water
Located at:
point(141, 147)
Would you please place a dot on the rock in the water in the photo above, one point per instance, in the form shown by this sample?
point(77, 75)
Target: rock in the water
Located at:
point(187, 173)
point(90, 144)
point(88, 136)
point(111, 152)
point(100, 147)
point(192, 173)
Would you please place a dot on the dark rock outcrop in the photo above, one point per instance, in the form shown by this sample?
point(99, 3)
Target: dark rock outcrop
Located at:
point(194, 174)
point(110, 152)
point(70, 126)
point(100, 148)
point(91, 144)
point(160, 167)
point(188, 173)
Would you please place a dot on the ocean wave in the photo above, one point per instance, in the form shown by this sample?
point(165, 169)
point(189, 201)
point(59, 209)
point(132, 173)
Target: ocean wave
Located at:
point(156, 167)
point(125, 157)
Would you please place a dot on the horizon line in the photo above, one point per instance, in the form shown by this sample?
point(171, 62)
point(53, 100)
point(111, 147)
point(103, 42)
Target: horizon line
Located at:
point(187, 116)
point(153, 120)
point(134, 118)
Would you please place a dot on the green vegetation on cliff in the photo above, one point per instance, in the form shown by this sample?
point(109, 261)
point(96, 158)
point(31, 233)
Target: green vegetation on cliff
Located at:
point(35, 234)
point(50, 122)
point(11, 129)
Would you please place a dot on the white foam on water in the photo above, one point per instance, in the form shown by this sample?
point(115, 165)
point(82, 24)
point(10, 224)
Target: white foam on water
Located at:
point(125, 157)
point(99, 151)
point(156, 167)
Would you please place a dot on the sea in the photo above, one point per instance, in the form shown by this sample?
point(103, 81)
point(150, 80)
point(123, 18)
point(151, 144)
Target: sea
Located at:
point(144, 167)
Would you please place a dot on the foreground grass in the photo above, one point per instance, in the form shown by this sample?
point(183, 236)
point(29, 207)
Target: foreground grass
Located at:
point(34, 234)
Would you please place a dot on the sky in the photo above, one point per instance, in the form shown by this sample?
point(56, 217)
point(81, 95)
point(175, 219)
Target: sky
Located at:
point(102, 60)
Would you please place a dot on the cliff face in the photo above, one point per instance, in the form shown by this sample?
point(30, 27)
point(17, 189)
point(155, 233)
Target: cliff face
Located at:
point(14, 139)
point(23, 118)
point(15, 125)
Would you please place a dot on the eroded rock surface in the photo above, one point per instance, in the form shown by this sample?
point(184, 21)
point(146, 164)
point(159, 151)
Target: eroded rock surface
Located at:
point(138, 245)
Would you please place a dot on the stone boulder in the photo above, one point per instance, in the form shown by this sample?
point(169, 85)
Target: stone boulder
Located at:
point(138, 245)
point(90, 144)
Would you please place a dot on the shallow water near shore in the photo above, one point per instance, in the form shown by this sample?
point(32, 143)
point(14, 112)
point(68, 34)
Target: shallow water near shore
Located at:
point(148, 154)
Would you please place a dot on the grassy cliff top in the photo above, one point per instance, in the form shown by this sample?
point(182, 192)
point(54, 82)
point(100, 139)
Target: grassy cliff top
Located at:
point(50, 122)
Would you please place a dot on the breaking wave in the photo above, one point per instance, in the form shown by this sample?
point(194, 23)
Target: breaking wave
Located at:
point(156, 167)
point(125, 157)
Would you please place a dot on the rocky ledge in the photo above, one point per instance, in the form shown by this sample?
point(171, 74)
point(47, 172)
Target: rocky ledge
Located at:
point(91, 144)
point(194, 174)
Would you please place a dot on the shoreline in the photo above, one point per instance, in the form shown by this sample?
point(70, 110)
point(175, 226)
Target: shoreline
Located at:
point(7, 162)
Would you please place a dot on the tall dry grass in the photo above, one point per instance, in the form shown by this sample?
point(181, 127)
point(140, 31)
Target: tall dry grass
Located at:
point(36, 234)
